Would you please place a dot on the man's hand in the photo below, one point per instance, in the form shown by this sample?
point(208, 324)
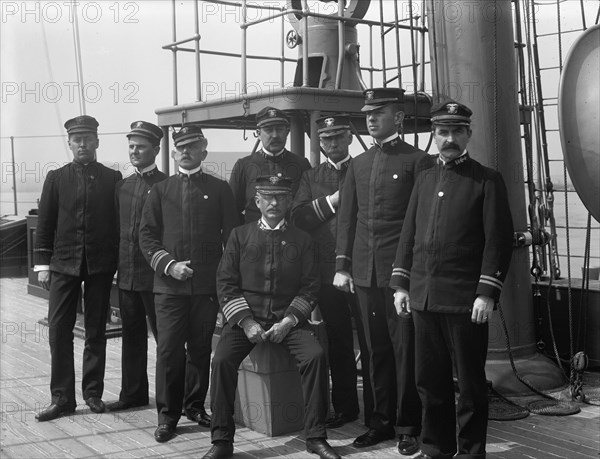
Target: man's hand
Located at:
point(44, 279)
point(279, 331)
point(253, 330)
point(181, 270)
point(483, 306)
point(401, 301)
point(335, 198)
point(343, 281)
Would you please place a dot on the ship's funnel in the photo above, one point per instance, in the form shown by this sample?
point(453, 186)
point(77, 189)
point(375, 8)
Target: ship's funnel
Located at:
point(579, 117)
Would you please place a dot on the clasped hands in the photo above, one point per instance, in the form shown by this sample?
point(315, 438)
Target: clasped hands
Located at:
point(276, 334)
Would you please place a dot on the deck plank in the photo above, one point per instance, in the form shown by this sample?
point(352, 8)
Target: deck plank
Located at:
point(24, 391)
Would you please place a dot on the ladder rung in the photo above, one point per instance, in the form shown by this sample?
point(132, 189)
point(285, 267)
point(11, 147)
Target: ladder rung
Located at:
point(550, 68)
point(555, 160)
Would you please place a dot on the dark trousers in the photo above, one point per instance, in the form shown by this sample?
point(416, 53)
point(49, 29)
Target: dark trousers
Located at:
point(62, 314)
point(302, 343)
point(337, 309)
point(390, 340)
point(183, 322)
point(441, 340)
point(135, 307)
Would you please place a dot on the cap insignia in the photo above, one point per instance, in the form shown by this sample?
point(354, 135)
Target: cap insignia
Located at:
point(274, 180)
point(272, 113)
point(452, 108)
point(329, 122)
point(370, 95)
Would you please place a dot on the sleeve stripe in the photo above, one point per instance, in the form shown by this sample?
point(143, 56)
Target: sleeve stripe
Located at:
point(343, 257)
point(401, 272)
point(318, 211)
point(156, 257)
point(235, 306)
point(302, 305)
point(493, 284)
point(42, 250)
point(491, 280)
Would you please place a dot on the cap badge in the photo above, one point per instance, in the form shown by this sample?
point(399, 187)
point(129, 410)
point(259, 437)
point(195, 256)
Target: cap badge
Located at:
point(452, 108)
point(272, 113)
point(274, 180)
point(329, 122)
point(370, 95)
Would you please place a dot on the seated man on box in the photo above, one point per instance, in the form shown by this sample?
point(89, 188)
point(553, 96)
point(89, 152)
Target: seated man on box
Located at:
point(267, 282)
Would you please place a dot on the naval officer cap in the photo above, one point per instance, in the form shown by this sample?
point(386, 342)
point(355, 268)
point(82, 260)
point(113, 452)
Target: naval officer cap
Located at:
point(148, 130)
point(273, 184)
point(380, 97)
point(271, 116)
point(83, 123)
point(332, 125)
point(450, 112)
point(188, 133)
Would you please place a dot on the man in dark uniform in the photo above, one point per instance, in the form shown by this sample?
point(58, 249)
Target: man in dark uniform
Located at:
point(315, 210)
point(135, 277)
point(185, 222)
point(373, 202)
point(272, 159)
point(77, 241)
point(268, 283)
point(453, 255)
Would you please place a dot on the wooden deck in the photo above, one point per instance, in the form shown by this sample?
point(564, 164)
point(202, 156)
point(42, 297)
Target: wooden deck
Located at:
point(24, 376)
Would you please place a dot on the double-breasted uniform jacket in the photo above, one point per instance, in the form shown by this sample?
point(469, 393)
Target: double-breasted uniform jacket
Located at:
point(456, 242)
point(312, 212)
point(374, 199)
point(268, 274)
point(247, 169)
point(67, 232)
point(134, 272)
point(187, 218)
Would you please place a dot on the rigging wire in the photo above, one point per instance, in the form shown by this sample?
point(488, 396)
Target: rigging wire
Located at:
point(78, 60)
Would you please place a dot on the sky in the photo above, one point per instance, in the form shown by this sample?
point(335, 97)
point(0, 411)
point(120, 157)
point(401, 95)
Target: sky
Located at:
point(126, 74)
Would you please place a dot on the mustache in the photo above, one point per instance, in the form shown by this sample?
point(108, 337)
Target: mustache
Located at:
point(450, 146)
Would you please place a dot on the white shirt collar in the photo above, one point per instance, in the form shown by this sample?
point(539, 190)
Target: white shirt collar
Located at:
point(387, 139)
point(338, 165)
point(268, 153)
point(146, 169)
point(191, 171)
point(267, 227)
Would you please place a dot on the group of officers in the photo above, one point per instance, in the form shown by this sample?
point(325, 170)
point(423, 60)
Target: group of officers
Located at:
point(413, 247)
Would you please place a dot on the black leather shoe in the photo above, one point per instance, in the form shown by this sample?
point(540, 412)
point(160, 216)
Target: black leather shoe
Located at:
point(96, 404)
point(372, 437)
point(54, 411)
point(121, 405)
point(338, 420)
point(198, 415)
point(164, 432)
point(219, 450)
point(320, 447)
point(407, 445)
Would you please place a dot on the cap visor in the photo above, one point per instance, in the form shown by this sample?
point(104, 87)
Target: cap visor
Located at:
point(333, 132)
point(182, 142)
point(273, 121)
